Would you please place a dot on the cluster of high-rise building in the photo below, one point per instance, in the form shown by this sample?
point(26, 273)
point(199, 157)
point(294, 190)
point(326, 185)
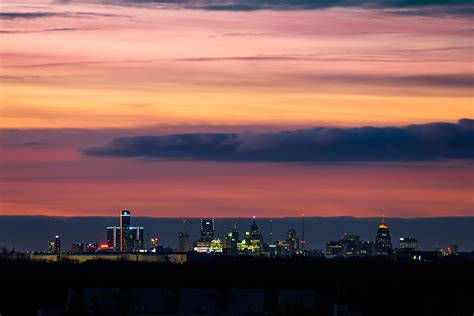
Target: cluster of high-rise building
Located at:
point(122, 238)
point(353, 246)
point(250, 242)
point(126, 238)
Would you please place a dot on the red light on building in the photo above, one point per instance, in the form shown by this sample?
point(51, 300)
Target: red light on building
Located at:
point(104, 246)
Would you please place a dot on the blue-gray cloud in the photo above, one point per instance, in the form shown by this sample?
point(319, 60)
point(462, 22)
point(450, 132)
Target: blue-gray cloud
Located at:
point(409, 7)
point(434, 141)
point(45, 14)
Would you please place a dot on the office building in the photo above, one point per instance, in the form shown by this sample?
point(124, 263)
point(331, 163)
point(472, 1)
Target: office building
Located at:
point(113, 238)
point(207, 230)
point(367, 249)
point(383, 241)
point(183, 242)
point(334, 249)
point(350, 245)
point(253, 241)
point(408, 243)
point(125, 238)
point(289, 246)
point(231, 240)
point(77, 247)
point(54, 245)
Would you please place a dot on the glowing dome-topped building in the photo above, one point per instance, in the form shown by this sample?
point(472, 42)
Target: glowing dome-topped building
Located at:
point(383, 241)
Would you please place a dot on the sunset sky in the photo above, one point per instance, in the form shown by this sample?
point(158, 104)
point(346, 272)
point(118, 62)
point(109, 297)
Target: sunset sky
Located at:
point(177, 108)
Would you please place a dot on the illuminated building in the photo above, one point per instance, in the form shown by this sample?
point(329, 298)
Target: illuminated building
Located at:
point(92, 246)
point(253, 239)
point(334, 249)
point(183, 240)
point(207, 230)
point(289, 246)
point(77, 247)
point(408, 243)
point(154, 242)
point(351, 245)
point(125, 238)
point(231, 240)
point(216, 245)
point(54, 245)
point(136, 237)
point(452, 249)
point(104, 247)
point(213, 246)
point(383, 241)
point(293, 241)
point(124, 230)
point(113, 238)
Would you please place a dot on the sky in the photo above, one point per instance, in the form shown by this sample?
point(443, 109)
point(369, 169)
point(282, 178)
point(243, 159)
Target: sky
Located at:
point(237, 108)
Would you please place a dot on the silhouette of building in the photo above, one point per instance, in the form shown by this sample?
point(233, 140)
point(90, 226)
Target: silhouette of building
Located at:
point(334, 249)
point(54, 245)
point(383, 241)
point(207, 229)
point(350, 245)
point(77, 247)
point(113, 238)
point(408, 243)
point(231, 240)
point(184, 243)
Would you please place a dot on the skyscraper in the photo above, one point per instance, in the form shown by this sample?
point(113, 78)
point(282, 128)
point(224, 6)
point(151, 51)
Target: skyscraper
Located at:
point(124, 230)
point(113, 238)
point(184, 245)
point(231, 240)
point(383, 241)
point(207, 230)
point(253, 238)
point(54, 245)
point(125, 238)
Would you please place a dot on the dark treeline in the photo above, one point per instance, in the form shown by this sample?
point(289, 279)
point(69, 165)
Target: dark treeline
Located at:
point(374, 286)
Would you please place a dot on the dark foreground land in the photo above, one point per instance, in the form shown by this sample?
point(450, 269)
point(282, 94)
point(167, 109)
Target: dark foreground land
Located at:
point(373, 286)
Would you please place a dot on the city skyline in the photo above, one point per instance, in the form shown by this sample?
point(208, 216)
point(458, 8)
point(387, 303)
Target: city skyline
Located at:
point(165, 233)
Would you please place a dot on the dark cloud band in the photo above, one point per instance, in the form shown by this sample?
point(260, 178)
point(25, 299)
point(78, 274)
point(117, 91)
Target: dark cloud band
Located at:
point(434, 141)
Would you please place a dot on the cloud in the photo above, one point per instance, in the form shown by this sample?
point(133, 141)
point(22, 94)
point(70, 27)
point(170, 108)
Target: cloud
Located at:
point(414, 7)
point(434, 141)
point(26, 15)
point(37, 15)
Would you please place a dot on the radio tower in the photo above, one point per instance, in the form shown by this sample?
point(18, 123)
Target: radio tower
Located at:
point(271, 232)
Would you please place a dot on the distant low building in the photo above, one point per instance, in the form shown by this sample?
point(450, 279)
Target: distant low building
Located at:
point(92, 246)
point(77, 247)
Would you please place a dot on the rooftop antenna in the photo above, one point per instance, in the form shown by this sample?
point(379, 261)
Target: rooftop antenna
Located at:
point(271, 231)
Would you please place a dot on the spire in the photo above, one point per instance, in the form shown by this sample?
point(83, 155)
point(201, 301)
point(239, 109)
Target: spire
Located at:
point(382, 223)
